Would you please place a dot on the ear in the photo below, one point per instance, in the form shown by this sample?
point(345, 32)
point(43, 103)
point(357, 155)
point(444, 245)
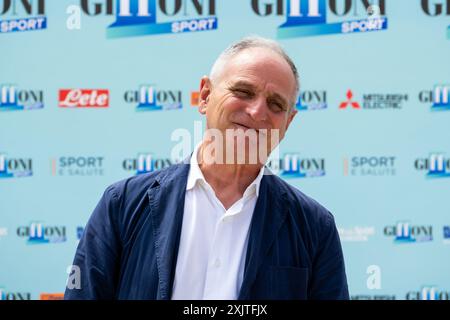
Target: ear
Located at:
point(205, 91)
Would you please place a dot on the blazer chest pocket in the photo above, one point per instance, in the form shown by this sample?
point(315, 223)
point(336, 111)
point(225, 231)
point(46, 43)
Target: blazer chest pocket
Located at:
point(287, 283)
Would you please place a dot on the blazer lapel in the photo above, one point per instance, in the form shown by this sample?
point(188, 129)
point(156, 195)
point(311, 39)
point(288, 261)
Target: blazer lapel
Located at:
point(268, 217)
point(166, 200)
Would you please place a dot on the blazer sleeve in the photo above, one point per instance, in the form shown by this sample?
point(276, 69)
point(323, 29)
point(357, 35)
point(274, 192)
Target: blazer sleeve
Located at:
point(95, 266)
point(329, 281)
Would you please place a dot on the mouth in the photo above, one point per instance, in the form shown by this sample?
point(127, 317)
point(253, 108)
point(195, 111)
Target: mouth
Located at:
point(244, 127)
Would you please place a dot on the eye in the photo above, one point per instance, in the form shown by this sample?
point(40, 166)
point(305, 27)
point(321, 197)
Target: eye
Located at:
point(276, 106)
point(242, 92)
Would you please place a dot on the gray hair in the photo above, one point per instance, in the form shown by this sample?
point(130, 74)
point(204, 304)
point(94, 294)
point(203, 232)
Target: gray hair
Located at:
point(254, 42)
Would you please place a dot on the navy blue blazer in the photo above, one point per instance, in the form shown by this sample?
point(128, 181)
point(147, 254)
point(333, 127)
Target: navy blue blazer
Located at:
point(130, 244)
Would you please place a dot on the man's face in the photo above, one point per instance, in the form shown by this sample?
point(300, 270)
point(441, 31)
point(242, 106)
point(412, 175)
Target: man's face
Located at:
point(254, 90)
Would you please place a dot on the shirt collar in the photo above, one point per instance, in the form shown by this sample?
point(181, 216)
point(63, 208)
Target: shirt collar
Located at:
point(195, 174)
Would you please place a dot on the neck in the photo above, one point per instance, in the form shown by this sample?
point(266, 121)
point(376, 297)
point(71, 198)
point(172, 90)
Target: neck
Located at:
point(225, 177)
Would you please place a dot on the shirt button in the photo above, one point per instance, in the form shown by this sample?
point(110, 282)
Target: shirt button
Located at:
point(217, 263)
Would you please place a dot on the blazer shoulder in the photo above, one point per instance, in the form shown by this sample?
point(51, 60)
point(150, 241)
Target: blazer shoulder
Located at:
point(124, 202)
point(299, 202)
point(129, 189)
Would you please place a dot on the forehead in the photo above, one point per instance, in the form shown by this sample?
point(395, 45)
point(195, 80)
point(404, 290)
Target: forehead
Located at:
point(261, 67)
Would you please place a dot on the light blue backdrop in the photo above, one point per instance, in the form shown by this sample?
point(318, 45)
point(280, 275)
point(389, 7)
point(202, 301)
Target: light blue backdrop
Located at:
point(407, 63)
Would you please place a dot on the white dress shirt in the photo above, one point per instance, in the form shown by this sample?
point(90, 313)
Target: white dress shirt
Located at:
point(213, 243)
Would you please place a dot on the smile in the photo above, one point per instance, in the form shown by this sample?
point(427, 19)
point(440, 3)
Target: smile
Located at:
point(244, 127)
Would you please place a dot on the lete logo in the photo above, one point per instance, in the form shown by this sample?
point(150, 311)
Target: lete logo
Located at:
point(84, 98)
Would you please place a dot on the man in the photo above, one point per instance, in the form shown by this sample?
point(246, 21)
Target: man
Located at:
point(212, 228)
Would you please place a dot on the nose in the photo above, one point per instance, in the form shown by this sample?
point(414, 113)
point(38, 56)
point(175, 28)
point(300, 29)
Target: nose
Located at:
point(257, 109)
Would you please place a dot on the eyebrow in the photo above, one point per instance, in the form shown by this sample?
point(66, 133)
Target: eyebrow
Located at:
point(279, 97)
point(248, 85)
point(242, 84)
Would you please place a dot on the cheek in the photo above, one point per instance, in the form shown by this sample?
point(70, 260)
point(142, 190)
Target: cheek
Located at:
point(279, 121)
point(230, 108)
point(232, 104)
point(217, 113)
point(218, 103)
